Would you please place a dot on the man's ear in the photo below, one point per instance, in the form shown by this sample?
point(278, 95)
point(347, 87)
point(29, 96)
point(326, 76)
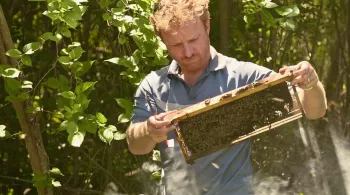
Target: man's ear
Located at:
point(207, 26)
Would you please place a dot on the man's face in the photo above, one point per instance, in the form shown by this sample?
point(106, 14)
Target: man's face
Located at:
point(189, 45)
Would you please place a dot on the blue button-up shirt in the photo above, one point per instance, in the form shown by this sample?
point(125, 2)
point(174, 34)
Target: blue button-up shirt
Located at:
point(226, 172)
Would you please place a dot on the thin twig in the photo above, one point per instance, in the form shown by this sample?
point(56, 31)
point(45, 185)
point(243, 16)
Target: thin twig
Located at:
point(103, 169)
point(16, 179)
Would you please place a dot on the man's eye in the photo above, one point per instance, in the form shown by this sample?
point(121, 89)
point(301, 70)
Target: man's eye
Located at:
point(193, 40)
point(177, 45)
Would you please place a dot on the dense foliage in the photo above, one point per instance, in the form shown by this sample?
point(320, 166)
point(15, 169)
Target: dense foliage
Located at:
point(76, 64)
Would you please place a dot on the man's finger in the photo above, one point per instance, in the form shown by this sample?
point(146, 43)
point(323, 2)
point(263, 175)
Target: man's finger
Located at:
point(301, 72)
point(283, 69)
point(297, 80)
point(162, 131)
point(164, 114)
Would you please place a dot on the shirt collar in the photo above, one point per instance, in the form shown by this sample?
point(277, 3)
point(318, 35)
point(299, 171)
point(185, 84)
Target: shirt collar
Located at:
point(216, 62)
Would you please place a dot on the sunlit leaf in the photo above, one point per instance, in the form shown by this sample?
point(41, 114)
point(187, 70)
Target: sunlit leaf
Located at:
point(123, 118)
point(288, 24)
point(27, 85)
point(126, 104)
point(30, 48)
point(2, 131)
point(56, 171)
point(11, 73)
point(56, 184)
point(106, 135)
point(14, 53)
point(64, 60)
point(68, 94)
point(76, 53)
point(84, 86)
point(84, 69)
point(46, 36)
point(288, 10)
point(76, 139)
point(101, 118)
point(119, 136)
point(120, 61)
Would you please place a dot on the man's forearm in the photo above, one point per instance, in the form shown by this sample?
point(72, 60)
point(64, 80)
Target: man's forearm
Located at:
point(314, 101)
point(139, 141)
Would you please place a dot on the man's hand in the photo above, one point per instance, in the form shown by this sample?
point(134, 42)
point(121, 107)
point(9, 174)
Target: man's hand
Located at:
point(305, 75)
point(158, 128)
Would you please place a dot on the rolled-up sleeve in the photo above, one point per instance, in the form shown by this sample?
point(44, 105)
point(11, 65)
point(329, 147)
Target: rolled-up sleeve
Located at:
point(142, 110)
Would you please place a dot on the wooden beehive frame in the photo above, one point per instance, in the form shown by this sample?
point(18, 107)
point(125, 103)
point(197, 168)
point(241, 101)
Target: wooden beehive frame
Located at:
point(226, 98)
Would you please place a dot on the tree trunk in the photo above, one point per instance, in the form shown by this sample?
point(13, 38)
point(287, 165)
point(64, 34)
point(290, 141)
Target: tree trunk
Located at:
point(28, 122)
point(225, 7)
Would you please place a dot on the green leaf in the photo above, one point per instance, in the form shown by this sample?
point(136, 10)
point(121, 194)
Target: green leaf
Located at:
point(111, 128)
point(119, 136)
point(2, 131)
point(63, 125)
point(56, 171)
point(3, 67)
point(288, 24)
point(101, 118)
point(105, 3)
point(106, 135)
point(84, 86)
point(26, 60)
point(121, 4)
point(122, 39)
point(30, 48)
point(27, 85)
point(76, 66)
point(64, 60)
point(11, 73)
point(248, 18)
point(71, 18)
point(18, 97)
point(57, 38)
point(65, 32)
point(42, 180)
point(76, 139)
point(267, 17)
point(84, 69)
point(89, 125)
point(76, 53)
point(72, 127)
point(268, 4)
point(126, 104)
point(68, 94)
point(64, 83)
point(14, 53)
point(120, 61)
point(74, 44)
point(12, 86)
point(52, 82)
point(288, 10)
point(46, 36)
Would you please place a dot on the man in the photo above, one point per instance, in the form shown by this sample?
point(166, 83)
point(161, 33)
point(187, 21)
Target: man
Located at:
point(196, 73)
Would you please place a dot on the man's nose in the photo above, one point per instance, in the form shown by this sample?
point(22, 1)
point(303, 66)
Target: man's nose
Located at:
point(188, 50)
